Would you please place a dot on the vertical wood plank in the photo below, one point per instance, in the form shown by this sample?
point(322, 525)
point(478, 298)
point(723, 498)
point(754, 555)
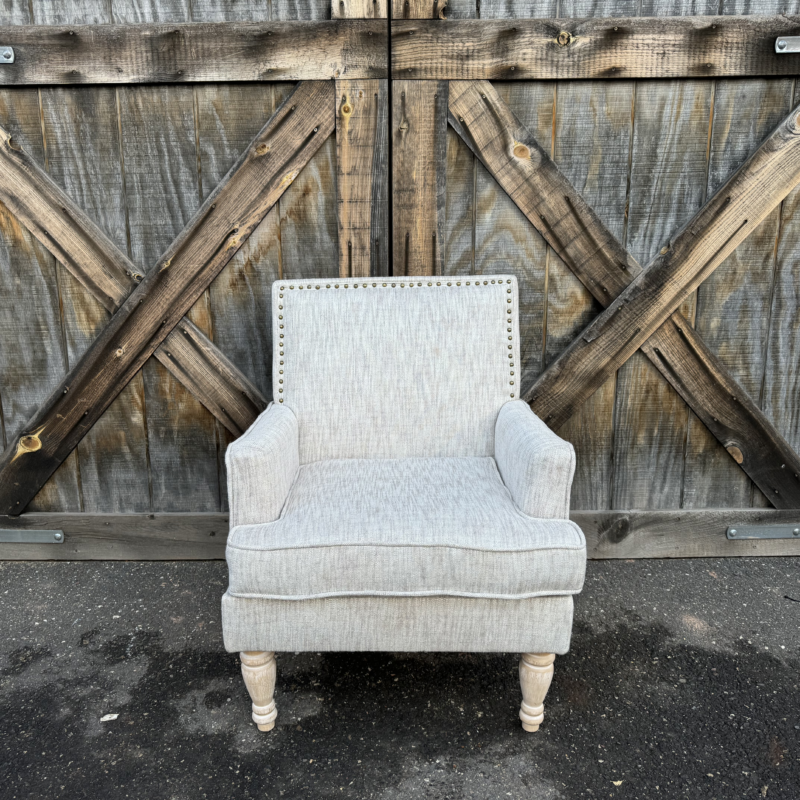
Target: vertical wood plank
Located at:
point(433, 9)
point(419, 141)
point(33, 356)
point(359, 9)
point(668, 184)
point(162, 192)
point(82, 134)
point(362, 169)
point(308, 224)
point(505, 242)
point(592, 148)
point(228, 117)
point(504, 239)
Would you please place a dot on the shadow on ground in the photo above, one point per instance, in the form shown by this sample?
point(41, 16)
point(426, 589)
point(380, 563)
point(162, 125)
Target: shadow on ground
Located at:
point(635, 711)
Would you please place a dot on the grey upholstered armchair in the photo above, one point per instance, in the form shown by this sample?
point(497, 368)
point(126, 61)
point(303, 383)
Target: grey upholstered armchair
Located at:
point(397, 495)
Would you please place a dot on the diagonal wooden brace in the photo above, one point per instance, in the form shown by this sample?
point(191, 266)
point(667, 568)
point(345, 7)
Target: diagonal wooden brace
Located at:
point(95, 261)
point(221, 225)
point(574, 231)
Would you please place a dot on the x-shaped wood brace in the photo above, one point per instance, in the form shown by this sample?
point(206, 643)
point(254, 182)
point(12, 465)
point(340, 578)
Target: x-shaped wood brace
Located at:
point(640, 311)
point(151, 312)
point(641, 305)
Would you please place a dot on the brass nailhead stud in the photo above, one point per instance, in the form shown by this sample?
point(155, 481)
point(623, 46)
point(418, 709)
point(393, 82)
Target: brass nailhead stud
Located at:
point(384, 284)
point(511, 383)
point(281, 400)
point(280, 390)
point(438, 283)
point(291, 287)
point(327, 286)
point(280, 370)
point(512, 394)
point(281, 380)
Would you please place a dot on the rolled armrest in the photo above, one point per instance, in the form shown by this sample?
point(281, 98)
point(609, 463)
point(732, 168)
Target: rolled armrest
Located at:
point(262, 465)
point(536, 465)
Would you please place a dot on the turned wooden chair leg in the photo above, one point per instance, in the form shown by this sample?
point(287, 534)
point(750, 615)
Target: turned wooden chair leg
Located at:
point(259, 671)
point(535, 674)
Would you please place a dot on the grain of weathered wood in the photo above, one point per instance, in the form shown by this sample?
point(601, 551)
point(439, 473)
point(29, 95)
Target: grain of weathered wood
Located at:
point(735, 211)
point(81, 131)
point(576, 234)
point(698, 533)
point(459, 223)
point(361, 165)
point(196, 52)
point(32, 352)
point(226, 219)
point(733, 305)
point(693, 254)
point(419, 142)
point(418, 9)
point(667, 183)
point(121, 537)
point(633, 47)
point(359, 9)
point(592, 149)
point(681, 533)
point(504, 240)
point(159, 153)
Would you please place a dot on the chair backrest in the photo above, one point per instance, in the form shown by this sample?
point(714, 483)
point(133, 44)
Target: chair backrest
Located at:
point(396, 367)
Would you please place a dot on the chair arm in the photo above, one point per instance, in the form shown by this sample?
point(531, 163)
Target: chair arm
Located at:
point(536, 465)
point(262, 464)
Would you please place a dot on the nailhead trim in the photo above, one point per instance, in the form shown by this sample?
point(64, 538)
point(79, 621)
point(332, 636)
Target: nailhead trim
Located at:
point(411, 285)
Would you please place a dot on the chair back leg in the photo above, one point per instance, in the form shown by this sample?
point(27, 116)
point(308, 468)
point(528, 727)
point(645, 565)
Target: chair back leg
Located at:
point(259, 671)
point(535, 674)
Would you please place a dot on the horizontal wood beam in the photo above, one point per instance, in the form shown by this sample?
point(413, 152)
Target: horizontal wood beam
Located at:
point(195, 52)
point(221, 225)
point(96, 262)
point(573, 230)
point(581, 49)
point(609, 534)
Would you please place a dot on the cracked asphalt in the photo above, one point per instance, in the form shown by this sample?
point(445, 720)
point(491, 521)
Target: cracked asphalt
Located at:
point(683, 682)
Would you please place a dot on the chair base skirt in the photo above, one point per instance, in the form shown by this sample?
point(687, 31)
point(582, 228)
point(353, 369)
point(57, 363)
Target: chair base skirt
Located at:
point(398, 624)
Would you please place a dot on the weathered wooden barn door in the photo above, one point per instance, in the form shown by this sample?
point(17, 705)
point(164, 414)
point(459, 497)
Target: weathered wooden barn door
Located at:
point(516, 141)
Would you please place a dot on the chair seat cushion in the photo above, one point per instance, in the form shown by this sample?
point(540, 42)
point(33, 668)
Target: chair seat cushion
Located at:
point(404, 527)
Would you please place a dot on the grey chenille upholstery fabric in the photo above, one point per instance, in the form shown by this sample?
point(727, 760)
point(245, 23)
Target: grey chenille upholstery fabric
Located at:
point(397, 494)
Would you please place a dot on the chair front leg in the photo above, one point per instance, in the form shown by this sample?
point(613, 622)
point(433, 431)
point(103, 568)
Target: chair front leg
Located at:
point(259, 671)
point(535, 674)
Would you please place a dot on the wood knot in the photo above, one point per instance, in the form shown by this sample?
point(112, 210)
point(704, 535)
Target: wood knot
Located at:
point(735, 453)
point(521, 150)
point(120, 351)
point(262, 149)
point(347, 109)
point(564, 38)
point(30, 443)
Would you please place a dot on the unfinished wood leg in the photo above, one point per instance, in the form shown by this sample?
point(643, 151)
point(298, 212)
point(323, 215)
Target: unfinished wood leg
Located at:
point(259, 671)
point(535, 674)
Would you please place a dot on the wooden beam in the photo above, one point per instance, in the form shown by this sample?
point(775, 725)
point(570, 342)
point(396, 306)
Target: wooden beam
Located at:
point(419, 148)
point(224, 221)
point(361, 180)
point(94, 260)
point(195, 52)
point(670, 533)
point(552, 205)
point(580, 49)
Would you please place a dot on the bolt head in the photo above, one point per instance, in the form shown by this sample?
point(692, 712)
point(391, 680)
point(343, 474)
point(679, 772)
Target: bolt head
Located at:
point(796, 532)
point(781, 44)
point(7, 54)
point(58, 536)
point(732, 531)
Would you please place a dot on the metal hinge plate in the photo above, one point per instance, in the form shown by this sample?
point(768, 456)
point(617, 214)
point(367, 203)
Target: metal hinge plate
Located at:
point(31, 537)
point(6, 54)
point(764, 532)
point(787, 44)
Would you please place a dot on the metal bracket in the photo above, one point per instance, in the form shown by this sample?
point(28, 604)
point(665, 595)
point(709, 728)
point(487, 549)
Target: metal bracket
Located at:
point(19, 536)
point(787, 44)
point(764, 532)
point(6, 54)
